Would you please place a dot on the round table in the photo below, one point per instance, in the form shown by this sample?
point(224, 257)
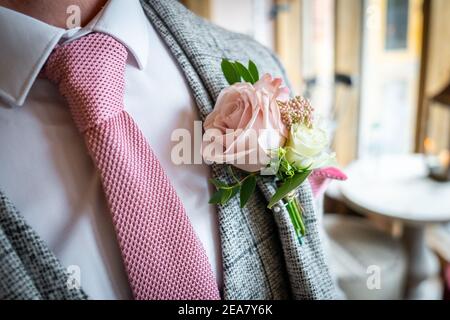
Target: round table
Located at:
point(397, 187)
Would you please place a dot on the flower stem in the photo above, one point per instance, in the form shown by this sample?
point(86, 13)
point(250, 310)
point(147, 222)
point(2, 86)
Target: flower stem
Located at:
point(295, 213)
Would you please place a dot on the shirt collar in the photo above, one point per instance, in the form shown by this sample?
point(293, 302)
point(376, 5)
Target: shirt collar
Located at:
point(27, 42)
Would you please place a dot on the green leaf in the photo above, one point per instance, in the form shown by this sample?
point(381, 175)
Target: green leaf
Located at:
point(253, 70)
point(247, 189)
point(235, 190)
point(226, 195)
point(289, 185)
point(218, 184)
point(216, 197)
point(221, 196)
point(230, 72)
point(243, 72)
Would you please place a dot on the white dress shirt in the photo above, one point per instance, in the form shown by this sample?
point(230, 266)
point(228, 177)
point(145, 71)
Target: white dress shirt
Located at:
point(45, 167)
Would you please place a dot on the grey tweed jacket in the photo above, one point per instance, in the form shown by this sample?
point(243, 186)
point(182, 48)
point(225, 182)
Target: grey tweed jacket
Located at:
point(261, 255)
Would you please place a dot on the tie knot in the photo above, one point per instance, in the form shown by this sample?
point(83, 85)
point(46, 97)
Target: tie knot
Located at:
point(90, 73)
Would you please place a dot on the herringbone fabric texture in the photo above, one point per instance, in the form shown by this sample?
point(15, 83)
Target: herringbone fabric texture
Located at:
point(163, 257)
point(28, 269)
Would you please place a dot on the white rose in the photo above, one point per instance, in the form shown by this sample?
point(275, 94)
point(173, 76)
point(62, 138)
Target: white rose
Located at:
point(307, 147)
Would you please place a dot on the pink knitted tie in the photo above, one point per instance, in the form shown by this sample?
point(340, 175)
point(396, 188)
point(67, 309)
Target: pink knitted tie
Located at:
point(163, 257)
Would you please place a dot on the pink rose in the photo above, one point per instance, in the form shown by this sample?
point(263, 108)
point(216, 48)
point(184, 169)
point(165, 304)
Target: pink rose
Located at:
point(245, 124)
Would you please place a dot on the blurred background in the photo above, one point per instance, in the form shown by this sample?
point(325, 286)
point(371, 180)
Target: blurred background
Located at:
point(379, 72)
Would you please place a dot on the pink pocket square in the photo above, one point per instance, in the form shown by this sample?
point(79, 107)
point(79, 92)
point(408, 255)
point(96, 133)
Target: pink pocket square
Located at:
point(320, 178)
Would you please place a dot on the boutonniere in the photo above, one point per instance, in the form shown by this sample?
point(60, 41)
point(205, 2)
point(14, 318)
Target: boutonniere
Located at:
point(257, 128)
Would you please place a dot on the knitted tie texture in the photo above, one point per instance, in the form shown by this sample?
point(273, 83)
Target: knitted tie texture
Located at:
point(163, 257)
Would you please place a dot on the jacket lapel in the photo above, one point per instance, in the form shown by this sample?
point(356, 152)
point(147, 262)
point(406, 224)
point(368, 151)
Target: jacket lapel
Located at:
point(261, 255)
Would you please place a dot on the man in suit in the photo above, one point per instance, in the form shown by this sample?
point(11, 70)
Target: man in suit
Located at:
point(58, 196)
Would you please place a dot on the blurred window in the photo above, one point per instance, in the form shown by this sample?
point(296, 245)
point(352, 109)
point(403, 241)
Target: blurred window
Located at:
point(397, 24)
point(390, 76)
point(318, 53)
